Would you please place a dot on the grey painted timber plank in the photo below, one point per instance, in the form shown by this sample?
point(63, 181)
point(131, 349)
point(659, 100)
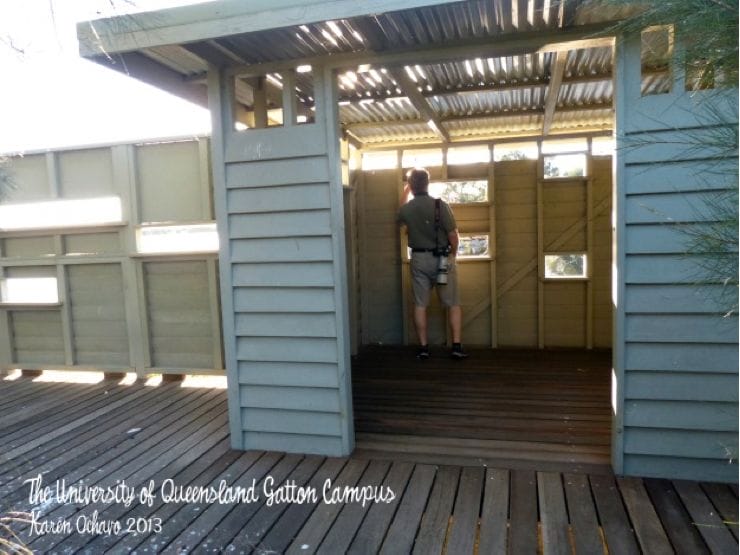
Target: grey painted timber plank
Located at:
point(433, 528)
point(704, 516)
point(375, 525)
point(462, 537)
point(683, 535)
point(617, 530)
point(583, 519)
point(647, 525)
point(553, 513)
point(495, 513)
point(402, 531)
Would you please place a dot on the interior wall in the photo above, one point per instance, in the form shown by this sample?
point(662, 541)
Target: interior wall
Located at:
point(505, 301)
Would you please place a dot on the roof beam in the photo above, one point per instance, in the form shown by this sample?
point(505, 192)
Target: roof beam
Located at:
point(492, 87)
point(467, 117)
point(419, 102)
point(553, 90)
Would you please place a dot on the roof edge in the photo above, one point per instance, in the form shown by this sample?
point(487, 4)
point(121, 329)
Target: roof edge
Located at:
point(210, 20)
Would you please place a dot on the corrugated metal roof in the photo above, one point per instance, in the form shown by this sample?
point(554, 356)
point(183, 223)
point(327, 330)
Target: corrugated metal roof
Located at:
point(470, 97)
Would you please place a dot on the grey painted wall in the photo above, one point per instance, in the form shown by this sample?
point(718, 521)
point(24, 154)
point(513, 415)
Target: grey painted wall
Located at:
point(676, 353)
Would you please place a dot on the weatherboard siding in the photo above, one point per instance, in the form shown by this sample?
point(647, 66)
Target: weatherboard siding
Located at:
point(676, 355)
point(279, 209)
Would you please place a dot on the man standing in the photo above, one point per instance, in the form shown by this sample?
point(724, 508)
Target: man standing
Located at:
point(431, 233)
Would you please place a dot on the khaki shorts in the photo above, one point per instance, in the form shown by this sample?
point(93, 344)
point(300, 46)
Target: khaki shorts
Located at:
point(424, 278)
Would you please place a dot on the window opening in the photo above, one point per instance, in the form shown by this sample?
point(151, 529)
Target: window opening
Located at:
point(515, 151)
point(656, 52)
point(164, 239)
point(459, 156)
point(566, 266)
point(61, 213)
point(29, 290)
point(382, 160)
point(564, 165)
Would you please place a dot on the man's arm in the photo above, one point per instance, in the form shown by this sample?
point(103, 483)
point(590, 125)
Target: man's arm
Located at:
point(454, 238)
point(406, 193)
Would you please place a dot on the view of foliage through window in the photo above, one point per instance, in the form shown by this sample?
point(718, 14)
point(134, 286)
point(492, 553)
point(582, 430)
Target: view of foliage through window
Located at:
point(473, 246)
point(460, 192)
point(565, 265)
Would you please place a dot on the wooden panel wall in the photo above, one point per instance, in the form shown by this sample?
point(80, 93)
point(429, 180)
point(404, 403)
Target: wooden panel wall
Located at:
point(676, 356)
point(283, 267)
point(118, 310)
point(513, 217)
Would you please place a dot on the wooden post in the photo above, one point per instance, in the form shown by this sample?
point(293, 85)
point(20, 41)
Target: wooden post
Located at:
point(66, 315)
point(540, 250)
point(403, 254)
point(213, 296)
point(589, 249)
point(6, 340)
point(492, 236)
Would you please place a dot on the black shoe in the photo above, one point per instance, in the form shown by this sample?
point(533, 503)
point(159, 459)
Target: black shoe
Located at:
point(458, 353)
point(422, 353)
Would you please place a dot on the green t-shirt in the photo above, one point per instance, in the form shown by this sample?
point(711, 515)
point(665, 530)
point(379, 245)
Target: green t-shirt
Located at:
point(418, 217)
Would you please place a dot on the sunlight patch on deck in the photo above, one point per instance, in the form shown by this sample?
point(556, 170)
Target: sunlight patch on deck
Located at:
point(195, 380)
point(13, 375)
point(67, 376)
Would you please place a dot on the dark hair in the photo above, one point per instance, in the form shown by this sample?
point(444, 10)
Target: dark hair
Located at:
point(418, 179)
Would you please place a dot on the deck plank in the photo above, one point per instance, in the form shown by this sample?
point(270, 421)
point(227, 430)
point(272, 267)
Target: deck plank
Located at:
point(553, 514)
point(434, 523)
point(206, 521)
point(462, 536)
point(583, 519)
point(617, 530)
point(340, 535)
point(250, 536)
point(402, 531)
point(684, 537)
point(284, 531)
point(649, 530)
point(704, 516)
point(723, 499)
point(523, 503)
point(495, 513)
point(318, 524)
point(373, 530)
point(204, 469)
point(239, 515)
point(178, 516)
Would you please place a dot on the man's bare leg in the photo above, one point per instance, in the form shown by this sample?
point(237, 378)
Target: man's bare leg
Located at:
point(420, 323)
point(454, 316)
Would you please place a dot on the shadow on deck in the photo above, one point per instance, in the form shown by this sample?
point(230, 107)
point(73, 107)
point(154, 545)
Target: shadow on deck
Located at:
point(540, 410)
point(112, 435)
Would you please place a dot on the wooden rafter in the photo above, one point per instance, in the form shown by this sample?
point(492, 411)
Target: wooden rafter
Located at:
point(408, 87)
point(553, 90)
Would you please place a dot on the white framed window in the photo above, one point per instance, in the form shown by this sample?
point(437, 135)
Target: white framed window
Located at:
point(572, 265)
point(463, 155)
point(564, 165)
point(426, 158)
point(473, 245)
point(29, 290)
point(380, 160)
point(515, 151)
point(173, 239)
point(61, 213)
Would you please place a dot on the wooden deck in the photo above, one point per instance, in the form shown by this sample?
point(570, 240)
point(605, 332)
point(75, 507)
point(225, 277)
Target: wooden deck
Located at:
point(108, 434)
point(542, 410)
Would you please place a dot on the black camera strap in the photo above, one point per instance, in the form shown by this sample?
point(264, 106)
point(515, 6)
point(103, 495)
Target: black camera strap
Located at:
point(436, 226)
